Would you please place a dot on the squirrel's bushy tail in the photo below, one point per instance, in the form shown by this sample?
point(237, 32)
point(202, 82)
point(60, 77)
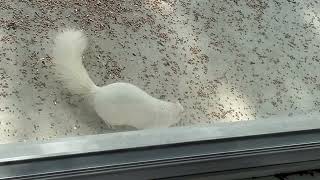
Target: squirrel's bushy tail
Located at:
point(67, 55)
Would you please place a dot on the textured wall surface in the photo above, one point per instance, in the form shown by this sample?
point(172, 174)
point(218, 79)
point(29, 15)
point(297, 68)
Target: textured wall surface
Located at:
point(224, 60)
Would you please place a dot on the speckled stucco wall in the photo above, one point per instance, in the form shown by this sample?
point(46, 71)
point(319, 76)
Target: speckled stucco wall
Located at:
point(224, 60)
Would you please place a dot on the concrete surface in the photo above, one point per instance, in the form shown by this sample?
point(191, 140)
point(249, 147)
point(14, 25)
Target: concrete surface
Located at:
point(226, 60)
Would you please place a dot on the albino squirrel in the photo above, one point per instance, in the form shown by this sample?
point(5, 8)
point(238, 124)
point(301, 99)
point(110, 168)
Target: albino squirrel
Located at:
point(117, 103)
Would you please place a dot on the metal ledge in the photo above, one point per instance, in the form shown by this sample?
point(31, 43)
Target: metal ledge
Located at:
point(221, 154)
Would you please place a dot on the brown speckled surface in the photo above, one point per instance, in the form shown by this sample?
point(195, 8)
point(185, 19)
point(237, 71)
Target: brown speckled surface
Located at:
point(224, 60)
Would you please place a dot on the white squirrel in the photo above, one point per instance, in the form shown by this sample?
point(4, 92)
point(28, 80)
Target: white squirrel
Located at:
point(118, 103)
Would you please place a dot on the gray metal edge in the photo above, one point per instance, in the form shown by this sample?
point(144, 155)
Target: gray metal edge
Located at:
point(152, 137)
point(225, 146)
point(218, 157)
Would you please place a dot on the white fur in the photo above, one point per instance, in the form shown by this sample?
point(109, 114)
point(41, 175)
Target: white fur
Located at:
point(117, 103)
point(67, 54)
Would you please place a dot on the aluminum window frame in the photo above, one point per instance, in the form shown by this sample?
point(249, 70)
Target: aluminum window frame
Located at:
point(224, 151)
